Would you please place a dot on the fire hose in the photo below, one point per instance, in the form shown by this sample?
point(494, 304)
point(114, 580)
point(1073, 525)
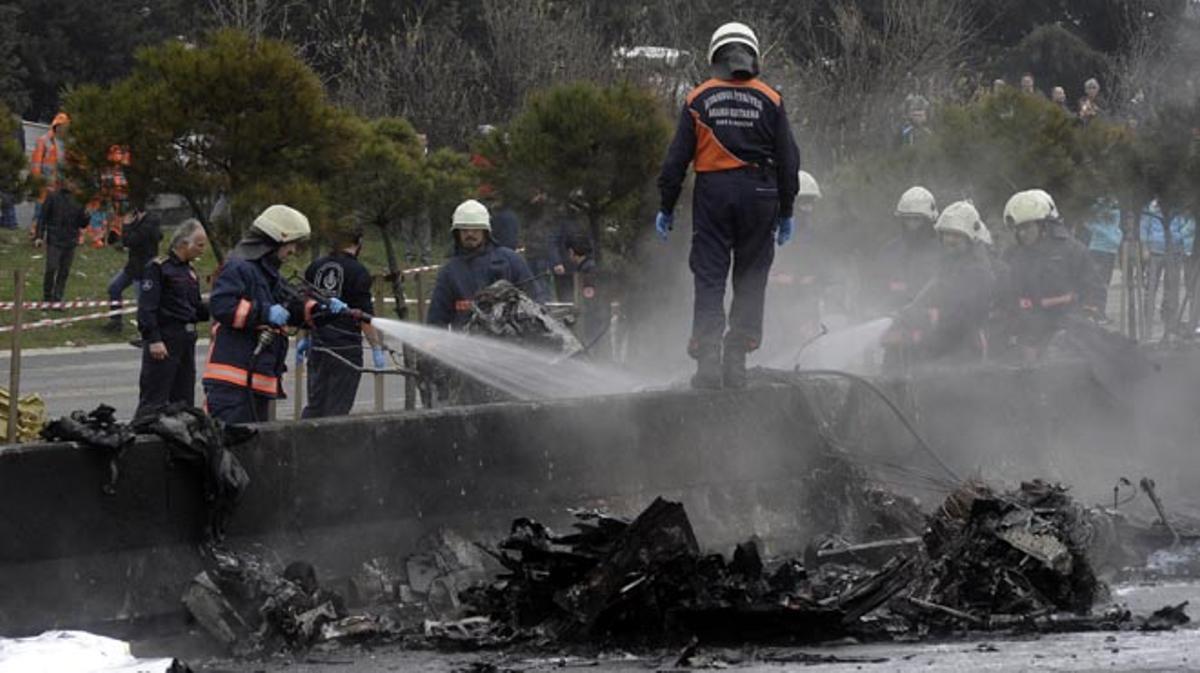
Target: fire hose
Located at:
point(895, 408)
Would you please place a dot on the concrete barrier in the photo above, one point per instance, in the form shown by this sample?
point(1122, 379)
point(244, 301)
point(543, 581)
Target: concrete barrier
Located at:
point(338, 492)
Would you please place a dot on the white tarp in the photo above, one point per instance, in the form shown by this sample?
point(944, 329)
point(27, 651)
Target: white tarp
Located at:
point(74, 652)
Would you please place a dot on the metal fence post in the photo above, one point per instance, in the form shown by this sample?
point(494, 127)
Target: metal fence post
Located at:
point(14, 363)
point(420, 298)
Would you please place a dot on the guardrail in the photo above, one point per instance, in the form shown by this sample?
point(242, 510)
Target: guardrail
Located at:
point(19, 309)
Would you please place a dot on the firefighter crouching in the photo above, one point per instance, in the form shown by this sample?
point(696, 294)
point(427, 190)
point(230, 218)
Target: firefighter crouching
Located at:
point(251, 304)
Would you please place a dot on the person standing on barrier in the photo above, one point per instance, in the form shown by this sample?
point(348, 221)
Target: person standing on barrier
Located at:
point(169, 306)
point(251, 304)
point(734, 131)
point(140, 235)
point(62, 218)
point(334, 351)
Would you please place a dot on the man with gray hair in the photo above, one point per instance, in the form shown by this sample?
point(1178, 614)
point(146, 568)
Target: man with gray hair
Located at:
point(169, 307)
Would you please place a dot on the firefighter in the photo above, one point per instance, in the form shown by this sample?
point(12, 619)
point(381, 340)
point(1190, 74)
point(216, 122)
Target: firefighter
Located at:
point(812, 276)
point(1050, 273)
point(477, 263)
point(251, 304)
point(909, 260)
point(946, 321)
point(169, 306)
point(734, 131)
point(332, 384)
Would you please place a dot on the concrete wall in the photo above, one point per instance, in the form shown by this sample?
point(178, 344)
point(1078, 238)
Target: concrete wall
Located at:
point(337, 492)
point(340, 491)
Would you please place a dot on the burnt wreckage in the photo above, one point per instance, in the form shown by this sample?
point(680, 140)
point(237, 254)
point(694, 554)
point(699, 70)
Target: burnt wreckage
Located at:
point(988, 561)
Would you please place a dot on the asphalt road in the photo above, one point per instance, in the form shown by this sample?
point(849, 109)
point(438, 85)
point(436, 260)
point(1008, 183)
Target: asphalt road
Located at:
point(81, 378)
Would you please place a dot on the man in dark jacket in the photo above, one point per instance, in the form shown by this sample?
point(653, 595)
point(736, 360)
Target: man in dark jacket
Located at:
point(169, 306)
point(333, 384)
point(734, 131)
point(251, 304)
point(140, 235)
point(595, 310)
point(1050, 273)
point(60, 221)
point(477, 263)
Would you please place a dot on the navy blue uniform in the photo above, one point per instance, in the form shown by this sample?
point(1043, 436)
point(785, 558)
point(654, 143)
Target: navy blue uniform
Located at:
point(238, 385)
point(903, 268)
point(332, 385)
point(946, 321)
point(1047, 281)
point(466, 273)
point(736, 135)
point(169, 306)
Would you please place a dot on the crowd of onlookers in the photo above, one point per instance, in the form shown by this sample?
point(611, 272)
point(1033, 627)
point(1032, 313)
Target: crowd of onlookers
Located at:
point(1093, 104)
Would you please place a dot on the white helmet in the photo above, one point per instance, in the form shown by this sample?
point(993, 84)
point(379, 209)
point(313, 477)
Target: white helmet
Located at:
point(962, 217)
point(1033, 205)
point(917, 202)
point(732, 33)
point(282, 224)
point(471, 214)
point(808, 186)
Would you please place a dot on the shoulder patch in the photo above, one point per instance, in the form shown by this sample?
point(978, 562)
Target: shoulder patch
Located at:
point(161, 259)
point(329, 278)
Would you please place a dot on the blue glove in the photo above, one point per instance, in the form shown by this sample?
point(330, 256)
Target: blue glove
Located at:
point(377, 355)
point(336, 306)
point(786, 225)
point(302, 348)
point(278, 315)
point(662, 224)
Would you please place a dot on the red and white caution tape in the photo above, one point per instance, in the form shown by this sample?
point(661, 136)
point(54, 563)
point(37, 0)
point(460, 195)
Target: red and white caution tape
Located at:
point(43, 305)
point(52, 322)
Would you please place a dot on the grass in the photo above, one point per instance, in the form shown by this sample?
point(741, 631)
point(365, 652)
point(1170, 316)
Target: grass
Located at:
point(93, 268)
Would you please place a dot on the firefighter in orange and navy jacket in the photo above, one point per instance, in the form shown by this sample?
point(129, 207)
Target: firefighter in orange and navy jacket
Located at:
point(734, 131)
point(249, 297)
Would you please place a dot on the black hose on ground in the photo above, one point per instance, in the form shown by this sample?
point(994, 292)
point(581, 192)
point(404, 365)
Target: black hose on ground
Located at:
point(903, 417)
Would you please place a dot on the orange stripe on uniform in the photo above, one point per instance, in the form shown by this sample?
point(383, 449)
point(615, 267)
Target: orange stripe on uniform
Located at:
point(1060, 300)
point(241, 314)
point(711, 155)
point(261, 383)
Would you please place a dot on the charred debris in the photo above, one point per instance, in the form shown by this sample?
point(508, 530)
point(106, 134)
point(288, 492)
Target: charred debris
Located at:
point(986, 561)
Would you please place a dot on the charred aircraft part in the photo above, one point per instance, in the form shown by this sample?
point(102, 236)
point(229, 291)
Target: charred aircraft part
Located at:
point(500, 311)
point(252, 609)
point(989, 561)
point(503, 311)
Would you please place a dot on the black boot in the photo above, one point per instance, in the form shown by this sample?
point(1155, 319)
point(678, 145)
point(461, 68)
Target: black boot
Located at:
point(733, 367)
point(708, 367)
